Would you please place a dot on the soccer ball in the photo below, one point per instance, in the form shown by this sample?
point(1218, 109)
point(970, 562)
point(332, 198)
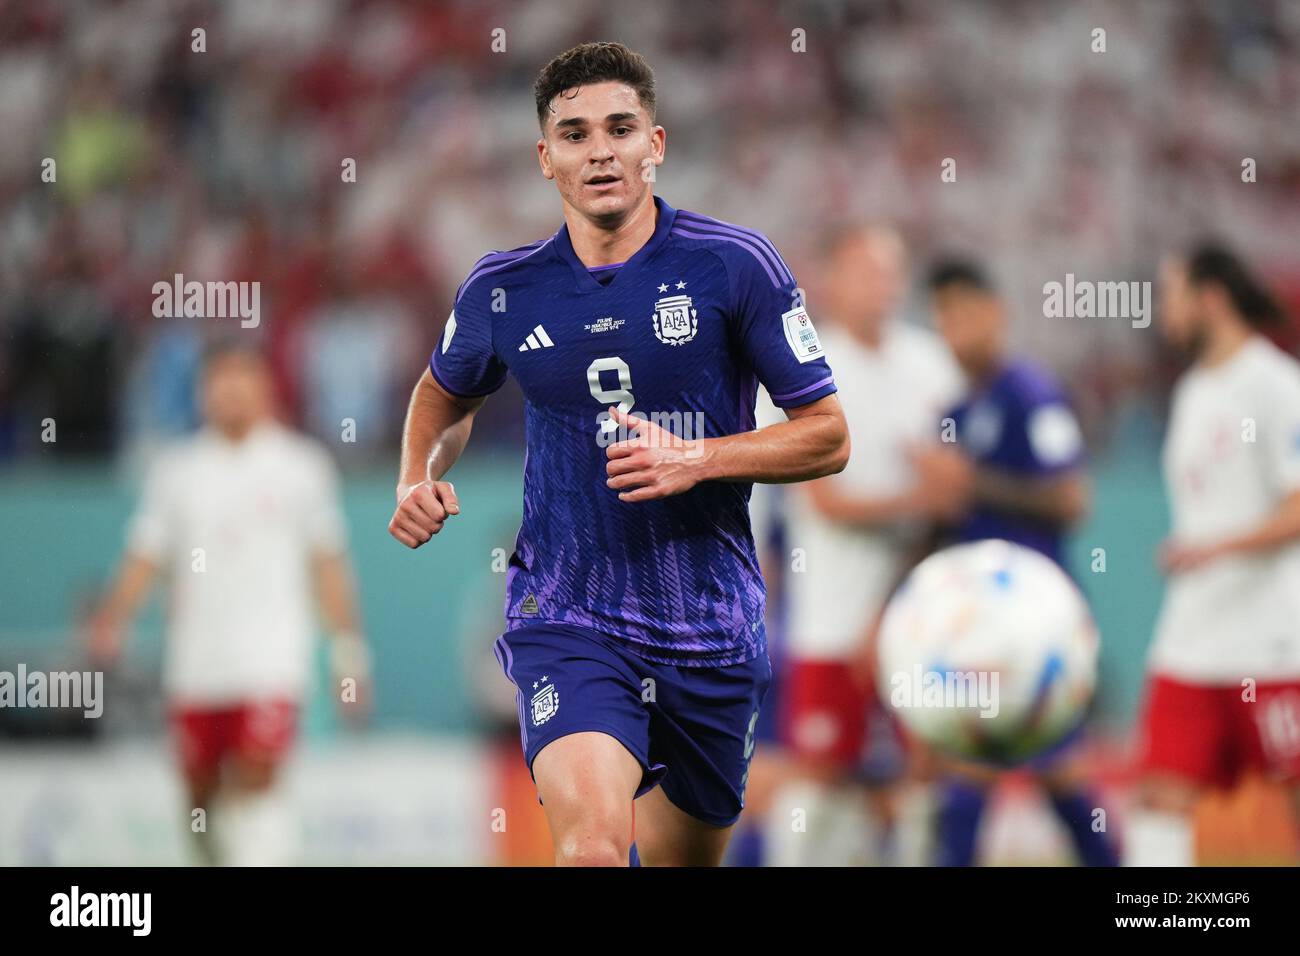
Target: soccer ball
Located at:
point(988, 651)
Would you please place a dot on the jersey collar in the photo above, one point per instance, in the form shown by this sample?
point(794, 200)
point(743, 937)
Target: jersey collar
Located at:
point(586, 282)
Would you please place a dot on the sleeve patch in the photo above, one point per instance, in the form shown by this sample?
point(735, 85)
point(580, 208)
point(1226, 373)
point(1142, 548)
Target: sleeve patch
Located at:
point(801, 335)
point(1054, 435)
point(449, 331)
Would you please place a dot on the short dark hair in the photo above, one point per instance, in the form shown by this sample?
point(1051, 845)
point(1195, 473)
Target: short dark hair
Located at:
point(945, 273)
point(1211, 263)
point(590, 63)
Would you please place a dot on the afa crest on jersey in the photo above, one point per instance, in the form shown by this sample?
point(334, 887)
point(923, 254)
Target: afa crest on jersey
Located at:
point(676, 321)
point(546, 704)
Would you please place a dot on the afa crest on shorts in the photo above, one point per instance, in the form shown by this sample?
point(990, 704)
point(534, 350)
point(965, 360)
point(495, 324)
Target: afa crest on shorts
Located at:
point(676, 321)
point(546, 703)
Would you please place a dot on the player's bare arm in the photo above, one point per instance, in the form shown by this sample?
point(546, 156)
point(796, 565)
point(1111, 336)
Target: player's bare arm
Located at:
point(655, 464)
point(1278, 529)
point(1061, 500)
point(436, 431)
point(932, 496)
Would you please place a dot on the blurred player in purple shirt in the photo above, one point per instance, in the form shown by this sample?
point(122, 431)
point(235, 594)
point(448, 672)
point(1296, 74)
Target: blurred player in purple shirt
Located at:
point(1014, 452)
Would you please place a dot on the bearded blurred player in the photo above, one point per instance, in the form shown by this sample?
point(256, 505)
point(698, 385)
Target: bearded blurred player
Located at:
point(242, 521)
point(1223, 691)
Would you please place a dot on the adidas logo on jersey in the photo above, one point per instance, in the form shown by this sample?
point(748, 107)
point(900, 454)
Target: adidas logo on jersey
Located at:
point(537, 339)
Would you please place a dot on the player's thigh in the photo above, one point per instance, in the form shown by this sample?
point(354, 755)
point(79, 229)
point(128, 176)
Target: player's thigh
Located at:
point(824, 718)
point(968, 772)
point(586, 782)
point(264, 734)
point(703, 726)
point(1184, 741)
point(201, 738)
point(668, 836)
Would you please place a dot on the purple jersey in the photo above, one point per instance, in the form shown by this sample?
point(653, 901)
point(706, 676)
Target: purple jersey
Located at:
point(681, 334)
point(1021, 423)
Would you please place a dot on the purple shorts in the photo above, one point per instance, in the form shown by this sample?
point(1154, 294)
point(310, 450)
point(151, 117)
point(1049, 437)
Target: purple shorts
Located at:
point(692, 729)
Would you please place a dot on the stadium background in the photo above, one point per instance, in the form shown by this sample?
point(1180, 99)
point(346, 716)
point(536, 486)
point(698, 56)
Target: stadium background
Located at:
point(225, 165)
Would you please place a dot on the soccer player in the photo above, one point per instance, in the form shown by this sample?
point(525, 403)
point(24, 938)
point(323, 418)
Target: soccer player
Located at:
point(856, 534)
point(1223, 691)
point(634, 608)
point(1017, 454)
point(243, 520)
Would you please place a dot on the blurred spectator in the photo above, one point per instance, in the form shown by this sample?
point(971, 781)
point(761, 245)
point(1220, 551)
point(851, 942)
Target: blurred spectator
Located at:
point(228, 164)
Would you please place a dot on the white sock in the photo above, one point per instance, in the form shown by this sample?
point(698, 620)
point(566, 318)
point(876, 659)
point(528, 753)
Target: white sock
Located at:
point(1158, 838)
point(813, 824)
point(786, 829)
point(256, 829)
point(914, 826)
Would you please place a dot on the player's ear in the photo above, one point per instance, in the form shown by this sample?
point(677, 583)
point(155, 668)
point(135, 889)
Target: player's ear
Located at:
point(658, 143)
point(544, 159)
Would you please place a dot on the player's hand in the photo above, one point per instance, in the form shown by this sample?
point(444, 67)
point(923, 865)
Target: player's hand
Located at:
point(1176, 557)
point(945, 481)
point(356, 705)
point(104, 641)
point(653, 464)
point(422, 510)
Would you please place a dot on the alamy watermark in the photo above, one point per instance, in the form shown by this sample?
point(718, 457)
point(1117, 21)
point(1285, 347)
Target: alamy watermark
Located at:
point(973, 690)
point(1085, 299)
point(128, 910)
point(670, 430)
point(83, 690)
point(208, 300)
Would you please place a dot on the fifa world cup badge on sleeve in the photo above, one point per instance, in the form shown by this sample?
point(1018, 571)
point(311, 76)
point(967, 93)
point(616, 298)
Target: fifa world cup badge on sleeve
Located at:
point(801, 335)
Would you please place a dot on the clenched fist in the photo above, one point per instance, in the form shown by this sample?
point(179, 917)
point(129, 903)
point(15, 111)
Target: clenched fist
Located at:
point(422, 509)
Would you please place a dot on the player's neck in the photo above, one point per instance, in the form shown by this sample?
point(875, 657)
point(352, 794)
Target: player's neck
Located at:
point(600, 244)
point(237, 432)
point(984, 372)
point(870, 335)
point(1224, 344)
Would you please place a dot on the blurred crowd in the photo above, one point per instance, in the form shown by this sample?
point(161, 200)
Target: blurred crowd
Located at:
point(229, 162)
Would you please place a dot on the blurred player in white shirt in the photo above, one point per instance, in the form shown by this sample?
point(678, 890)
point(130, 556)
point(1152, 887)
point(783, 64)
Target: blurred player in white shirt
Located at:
point(243, 521)
point(1223, 692)
point(852, 536)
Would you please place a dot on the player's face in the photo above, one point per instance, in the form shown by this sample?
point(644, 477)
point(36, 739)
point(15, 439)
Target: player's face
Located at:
point(1180, 320)
point(970, 320)
point(236, 392)
point(600, 148)
point(867, 278)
